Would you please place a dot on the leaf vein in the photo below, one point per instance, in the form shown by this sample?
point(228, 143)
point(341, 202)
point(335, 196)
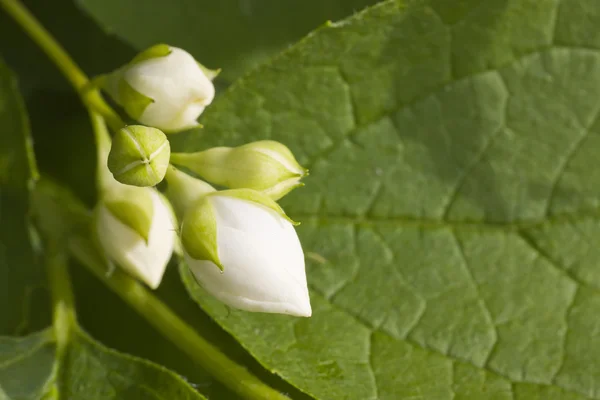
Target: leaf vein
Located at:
point(426, 348)
point(570, 154)
point(371, 366)
point(24, 355)
point(466, 173)
point(486, 309)
point(565, 336)
point(386, 113)
point(531, 242)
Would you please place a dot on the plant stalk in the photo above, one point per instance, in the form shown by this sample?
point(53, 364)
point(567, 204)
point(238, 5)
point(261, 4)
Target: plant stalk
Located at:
point(159, 315)
point(63, 306)
point(89, 95)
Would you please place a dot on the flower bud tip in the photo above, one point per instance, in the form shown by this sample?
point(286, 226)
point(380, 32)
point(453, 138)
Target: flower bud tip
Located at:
point(139, 156)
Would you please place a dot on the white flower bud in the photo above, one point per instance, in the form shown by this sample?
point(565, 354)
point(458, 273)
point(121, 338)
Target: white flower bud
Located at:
point(135, 227)
point(163, 87)
point(266, 165)
point(243, 250)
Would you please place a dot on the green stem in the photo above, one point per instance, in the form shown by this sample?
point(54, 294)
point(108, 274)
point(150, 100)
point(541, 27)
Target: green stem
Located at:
point(233, 375)
point(63, 308)
point(185, 159)
point(91, 97)
point(104, 178)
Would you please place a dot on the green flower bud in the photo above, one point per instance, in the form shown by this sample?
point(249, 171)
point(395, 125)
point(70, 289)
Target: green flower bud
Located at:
point(266, 166)
point(139, 156)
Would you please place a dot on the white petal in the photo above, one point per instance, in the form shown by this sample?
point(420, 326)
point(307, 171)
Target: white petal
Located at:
point(124, 246)
point(262, 258)
point(186, 119)
point(174, 82)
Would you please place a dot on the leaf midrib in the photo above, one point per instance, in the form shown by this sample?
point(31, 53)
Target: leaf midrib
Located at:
point(435, 224)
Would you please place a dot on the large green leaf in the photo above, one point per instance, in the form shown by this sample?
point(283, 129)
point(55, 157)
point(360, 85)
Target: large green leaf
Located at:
point(451, 214)
point(91, 371)
point(31, 370)
point(230, 34)
point(26, 365)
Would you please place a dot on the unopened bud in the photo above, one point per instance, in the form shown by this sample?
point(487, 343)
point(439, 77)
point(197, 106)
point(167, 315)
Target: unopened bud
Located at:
point(135, 228)
point(164, 87)
point(266, 166)
point(139, 156)
point(241, 248)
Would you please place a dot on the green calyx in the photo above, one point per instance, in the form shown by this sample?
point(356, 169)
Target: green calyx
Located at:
point(278, 152)
point(211, 74)
point(156, 51)
point(184, 190)
point(139, 156)
point(133, 207)
point(134, 102)
point(199, 232)
point(115, 84)
point(282, 188)
point(256, 197)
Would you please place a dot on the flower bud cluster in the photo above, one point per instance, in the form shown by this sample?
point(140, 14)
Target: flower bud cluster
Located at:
point(238, 242)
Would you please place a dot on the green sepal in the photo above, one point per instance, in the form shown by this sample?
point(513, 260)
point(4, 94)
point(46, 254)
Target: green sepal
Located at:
point(136, 212)
point(199, 233)
point(156, 51)
point(110, 83)
point(183, 190)
point(133, 102)
point(211, 74)
point(264, 146)
point(139, 156)
point(282, 188)
point(257, 197)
